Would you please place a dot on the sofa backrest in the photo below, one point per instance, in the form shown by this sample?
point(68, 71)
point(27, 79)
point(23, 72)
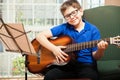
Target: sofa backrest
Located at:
point(107, 19)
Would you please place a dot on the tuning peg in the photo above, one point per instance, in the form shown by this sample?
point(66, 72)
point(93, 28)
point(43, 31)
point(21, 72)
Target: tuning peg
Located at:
point(118, 45)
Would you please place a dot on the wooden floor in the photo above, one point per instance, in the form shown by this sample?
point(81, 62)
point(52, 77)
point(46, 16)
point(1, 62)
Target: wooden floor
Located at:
point(22, 78)
point(29, 78)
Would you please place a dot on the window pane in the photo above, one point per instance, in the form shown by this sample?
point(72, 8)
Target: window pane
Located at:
point(24, 14)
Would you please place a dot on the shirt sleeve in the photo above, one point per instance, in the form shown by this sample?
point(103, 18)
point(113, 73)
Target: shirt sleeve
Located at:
point(58, 30)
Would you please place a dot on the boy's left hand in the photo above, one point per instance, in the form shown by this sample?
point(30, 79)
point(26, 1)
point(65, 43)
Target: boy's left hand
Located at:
point(102, 45)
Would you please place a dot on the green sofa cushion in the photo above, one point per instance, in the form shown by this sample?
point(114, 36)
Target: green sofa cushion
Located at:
point(109, 67)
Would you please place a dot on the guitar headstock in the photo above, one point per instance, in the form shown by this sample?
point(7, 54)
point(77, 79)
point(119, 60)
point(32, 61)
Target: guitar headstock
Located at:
point(115, 40)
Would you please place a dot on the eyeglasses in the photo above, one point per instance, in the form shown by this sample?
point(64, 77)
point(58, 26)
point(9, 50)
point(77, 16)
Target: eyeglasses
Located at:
point(73, 13)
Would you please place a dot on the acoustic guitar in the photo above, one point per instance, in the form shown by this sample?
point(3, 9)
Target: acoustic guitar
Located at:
point(46, 58)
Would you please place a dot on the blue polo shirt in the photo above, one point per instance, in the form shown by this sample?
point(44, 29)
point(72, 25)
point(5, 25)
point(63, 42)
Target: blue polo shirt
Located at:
point(89, 33)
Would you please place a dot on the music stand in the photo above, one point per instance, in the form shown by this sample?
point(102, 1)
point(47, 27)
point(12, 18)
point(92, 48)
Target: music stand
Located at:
point(14, 39)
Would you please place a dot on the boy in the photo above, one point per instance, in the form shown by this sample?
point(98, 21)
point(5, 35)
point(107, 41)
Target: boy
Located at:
point(84, 66)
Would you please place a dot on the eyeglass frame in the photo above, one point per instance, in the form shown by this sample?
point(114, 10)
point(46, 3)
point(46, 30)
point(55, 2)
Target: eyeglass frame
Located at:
point(68, 16)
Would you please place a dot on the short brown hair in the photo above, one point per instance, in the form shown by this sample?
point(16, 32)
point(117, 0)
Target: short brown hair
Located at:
point(68, 3)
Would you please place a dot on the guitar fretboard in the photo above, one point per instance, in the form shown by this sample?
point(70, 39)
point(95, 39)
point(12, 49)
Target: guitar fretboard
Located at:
point(84, 45)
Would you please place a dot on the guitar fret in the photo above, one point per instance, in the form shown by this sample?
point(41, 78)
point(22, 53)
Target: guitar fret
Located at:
point(84, 45)
point(89, 44)
point(76, 48)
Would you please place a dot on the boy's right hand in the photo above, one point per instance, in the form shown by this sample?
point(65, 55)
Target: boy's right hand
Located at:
point(59, 54)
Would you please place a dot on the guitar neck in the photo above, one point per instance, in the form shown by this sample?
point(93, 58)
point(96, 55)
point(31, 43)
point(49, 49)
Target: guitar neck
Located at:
point(84, 45)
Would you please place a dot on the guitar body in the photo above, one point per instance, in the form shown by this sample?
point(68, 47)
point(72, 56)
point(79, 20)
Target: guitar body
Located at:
point(46, 57)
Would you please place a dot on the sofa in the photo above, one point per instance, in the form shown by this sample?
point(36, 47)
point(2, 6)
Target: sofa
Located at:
point(107, 19)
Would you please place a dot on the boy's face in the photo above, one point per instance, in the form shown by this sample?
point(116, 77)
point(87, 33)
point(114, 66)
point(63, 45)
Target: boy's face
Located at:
point(73, 15)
